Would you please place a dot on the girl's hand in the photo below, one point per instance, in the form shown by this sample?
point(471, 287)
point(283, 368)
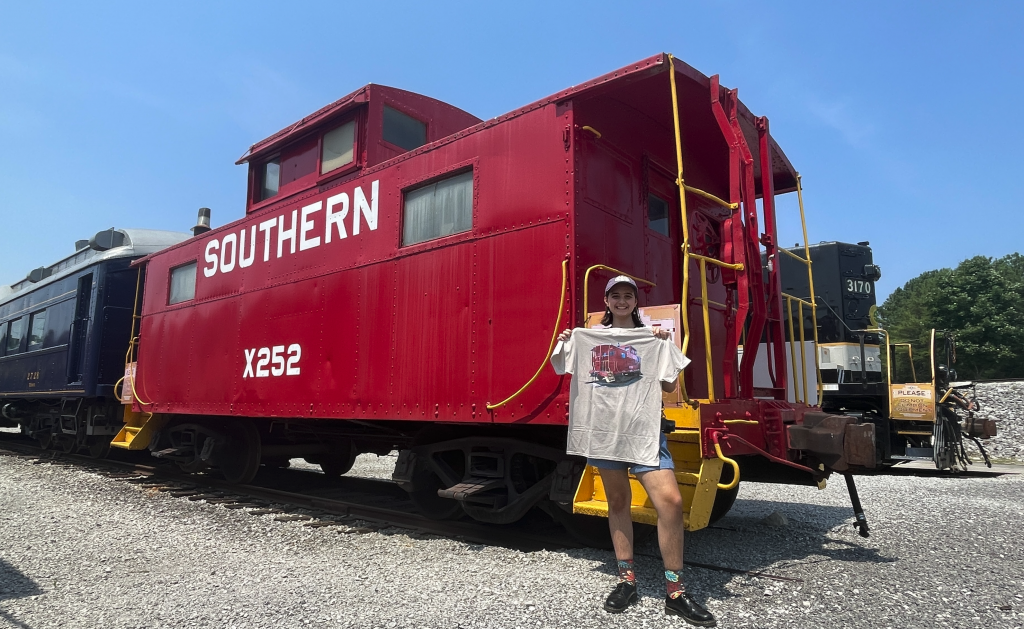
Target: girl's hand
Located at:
point(564, 336)
point(662, 334)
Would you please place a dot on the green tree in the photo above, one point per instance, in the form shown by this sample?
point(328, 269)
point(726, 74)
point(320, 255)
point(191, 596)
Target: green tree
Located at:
point(981, 302)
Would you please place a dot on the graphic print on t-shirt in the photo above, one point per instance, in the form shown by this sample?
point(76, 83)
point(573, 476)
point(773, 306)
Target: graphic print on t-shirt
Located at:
point(614, 364)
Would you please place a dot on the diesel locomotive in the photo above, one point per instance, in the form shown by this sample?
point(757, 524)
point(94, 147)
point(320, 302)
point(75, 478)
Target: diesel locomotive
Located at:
point(924, 419)
point(403, 268)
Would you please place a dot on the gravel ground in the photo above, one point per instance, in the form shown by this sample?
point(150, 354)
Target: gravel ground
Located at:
point(1004, 402)
point(81, 550)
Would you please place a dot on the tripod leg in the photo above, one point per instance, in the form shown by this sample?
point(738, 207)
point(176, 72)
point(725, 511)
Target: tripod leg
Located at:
point(858, 510)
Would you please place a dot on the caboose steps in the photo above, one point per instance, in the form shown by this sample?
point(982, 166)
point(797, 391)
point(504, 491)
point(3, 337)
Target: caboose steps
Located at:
point(138, 430)
point(697, 477)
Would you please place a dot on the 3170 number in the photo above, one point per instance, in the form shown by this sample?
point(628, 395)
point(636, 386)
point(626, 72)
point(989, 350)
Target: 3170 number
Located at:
point(280, 363)
point(858, 286)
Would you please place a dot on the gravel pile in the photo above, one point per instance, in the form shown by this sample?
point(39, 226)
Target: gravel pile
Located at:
point(1004, 402)
point(81, 550)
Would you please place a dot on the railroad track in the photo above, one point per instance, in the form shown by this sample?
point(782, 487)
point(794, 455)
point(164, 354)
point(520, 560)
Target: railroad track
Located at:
point(357, 505)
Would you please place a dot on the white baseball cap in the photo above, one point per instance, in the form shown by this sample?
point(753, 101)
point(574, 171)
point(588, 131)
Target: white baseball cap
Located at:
point(620, 279)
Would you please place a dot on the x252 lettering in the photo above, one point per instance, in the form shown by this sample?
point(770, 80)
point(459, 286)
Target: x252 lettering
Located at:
point(279, 361)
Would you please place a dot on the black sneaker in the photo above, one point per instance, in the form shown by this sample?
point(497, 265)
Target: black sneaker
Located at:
point(689, 609)
point(621, 597)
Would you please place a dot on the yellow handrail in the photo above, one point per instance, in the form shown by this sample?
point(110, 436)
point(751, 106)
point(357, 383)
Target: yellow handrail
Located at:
point(586, 285)
point(554, 336)
point(684, 294)
point(735, 469)
point(792, 350)
point(810, 284)
point(910, 357)
point(711, 197)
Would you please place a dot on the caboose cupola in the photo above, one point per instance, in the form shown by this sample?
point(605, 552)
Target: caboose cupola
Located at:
point(369, 126)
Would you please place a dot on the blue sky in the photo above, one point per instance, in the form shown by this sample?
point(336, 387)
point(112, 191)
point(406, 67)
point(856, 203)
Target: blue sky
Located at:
point(901, 116)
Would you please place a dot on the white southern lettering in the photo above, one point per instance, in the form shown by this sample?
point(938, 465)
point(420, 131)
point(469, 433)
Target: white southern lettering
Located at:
point(265, 227)
point(307, 226)
point(336, 218)
point(367, 210)
point(229, 252)
point(286, 234)
point(211, 257)
point(249, 354)
point(226, 265)
point(242, 260)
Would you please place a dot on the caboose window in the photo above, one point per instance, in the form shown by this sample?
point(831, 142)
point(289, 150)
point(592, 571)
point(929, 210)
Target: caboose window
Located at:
point(14, 334)
point(37, 330)
point(657, 214)
point(183, 283)
point(439, 209)
point(403, 130)
point(337, 147)
point(270, 178)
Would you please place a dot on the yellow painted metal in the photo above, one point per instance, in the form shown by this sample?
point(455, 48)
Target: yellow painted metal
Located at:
point(685, 417)
point(586, 285)
point(138, 429)
point(910, 358)
point(711, 197)
point(792, 348)
point(697, 479)
point(707, 328)
point(735, 469)
point(803, 354)
point(741, 422)
point(946, 396)
point(597, 134)
point(684, 224)
point(810, 284)
point(551, 345)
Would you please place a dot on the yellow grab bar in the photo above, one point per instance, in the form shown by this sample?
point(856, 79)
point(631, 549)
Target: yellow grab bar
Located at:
point(551, 346)
point(735, 469)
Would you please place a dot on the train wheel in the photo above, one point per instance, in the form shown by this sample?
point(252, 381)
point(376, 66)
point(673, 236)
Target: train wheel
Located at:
point(240, 459)
point(67, 443)
point(99, 447)
point(425, 497)
point(339, 460)
point(45, 439)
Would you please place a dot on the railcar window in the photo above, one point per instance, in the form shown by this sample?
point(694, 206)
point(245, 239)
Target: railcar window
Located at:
point(3, 337)
point(439, 209)
point(403, 130)
point(271, 178)
point(338, 147)
point(14, 335)
point(183, 283)
point(37, 330)
point(657, 214)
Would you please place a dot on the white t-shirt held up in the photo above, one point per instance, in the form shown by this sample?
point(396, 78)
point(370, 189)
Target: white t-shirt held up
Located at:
point(615, 396)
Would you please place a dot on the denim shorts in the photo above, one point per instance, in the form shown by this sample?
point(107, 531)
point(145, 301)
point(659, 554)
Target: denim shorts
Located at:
point(664, 463)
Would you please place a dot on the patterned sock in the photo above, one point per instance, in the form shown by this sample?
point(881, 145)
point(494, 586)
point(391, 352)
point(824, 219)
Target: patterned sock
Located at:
point(626, 574)
point(674, 583)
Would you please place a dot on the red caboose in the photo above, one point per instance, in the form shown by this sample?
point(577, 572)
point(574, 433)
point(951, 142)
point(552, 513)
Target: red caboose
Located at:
point(382, 291)
point(613, 363)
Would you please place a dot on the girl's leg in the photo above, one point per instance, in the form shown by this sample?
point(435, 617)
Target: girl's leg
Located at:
point(663, 491)
point(620, 523)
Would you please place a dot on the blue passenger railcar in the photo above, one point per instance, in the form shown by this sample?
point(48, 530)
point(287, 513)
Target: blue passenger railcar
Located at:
point(64, 333)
